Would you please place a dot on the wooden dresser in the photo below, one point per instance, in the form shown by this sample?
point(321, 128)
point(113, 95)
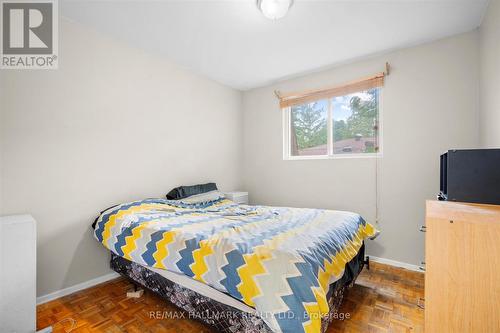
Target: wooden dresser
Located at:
point(462, 276)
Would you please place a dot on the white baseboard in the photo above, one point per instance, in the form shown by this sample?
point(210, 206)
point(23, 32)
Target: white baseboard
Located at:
point(395, 263)
point(75, 288)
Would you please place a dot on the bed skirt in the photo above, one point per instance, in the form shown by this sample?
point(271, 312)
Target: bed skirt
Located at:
point(225, 318)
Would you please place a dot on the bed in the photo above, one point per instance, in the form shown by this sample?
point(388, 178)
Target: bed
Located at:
point(237, 267)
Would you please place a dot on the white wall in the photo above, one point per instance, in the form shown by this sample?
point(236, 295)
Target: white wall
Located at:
point(429, 105)
point(490, 77)
point(112, 124)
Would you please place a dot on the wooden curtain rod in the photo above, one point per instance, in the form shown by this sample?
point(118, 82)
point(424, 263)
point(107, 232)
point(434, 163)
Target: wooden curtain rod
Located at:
point(386, 72)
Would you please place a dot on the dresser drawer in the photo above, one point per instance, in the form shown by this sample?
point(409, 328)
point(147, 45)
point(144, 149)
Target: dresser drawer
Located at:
point(462, 256)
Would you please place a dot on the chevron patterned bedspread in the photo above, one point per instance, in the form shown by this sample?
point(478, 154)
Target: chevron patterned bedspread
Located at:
point(280, 261)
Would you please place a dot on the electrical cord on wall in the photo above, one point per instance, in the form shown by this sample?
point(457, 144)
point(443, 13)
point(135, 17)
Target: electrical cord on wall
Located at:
point(376, 182)
point(376, 190)
point(377, 151)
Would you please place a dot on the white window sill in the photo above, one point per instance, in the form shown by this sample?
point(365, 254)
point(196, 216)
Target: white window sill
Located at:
point(332, 157)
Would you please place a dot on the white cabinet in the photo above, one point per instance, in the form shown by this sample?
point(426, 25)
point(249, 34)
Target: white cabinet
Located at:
point(238, 197)
point(17, 274)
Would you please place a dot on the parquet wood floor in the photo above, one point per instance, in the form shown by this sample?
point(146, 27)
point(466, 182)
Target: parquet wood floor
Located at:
point(384, 299)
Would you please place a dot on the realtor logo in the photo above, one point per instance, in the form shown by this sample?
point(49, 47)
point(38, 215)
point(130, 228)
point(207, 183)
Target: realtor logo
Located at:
point(29, 34)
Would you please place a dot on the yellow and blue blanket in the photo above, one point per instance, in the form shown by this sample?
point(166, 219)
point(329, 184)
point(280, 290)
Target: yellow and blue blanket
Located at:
point(280, 261)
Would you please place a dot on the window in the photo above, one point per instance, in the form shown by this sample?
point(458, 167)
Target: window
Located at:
point(340, 126)
point(309, 129)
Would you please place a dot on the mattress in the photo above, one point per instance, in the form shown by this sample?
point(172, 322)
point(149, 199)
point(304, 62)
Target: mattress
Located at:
point(279, 261)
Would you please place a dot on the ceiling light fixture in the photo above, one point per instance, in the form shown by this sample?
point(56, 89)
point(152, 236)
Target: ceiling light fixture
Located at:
point(274, 9)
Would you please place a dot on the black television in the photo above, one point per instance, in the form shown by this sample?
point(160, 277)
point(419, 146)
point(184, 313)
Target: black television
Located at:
point(470, 175)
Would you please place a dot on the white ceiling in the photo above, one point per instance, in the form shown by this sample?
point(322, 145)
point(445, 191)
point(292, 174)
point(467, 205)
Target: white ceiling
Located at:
point(232, 43)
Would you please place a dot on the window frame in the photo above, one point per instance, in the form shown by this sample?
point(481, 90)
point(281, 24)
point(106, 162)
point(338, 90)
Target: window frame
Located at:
point(286, 123)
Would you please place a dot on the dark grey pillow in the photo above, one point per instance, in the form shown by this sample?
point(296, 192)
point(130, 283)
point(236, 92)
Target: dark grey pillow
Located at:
point(182, 192)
